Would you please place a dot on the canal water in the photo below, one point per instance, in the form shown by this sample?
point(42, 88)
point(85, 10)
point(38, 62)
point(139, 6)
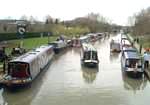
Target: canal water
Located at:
point(65, 82)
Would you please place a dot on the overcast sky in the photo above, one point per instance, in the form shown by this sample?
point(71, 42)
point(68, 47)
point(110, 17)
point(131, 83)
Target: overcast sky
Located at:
point(116, 10)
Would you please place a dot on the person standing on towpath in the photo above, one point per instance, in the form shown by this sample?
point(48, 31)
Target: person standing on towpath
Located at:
point(146, 57)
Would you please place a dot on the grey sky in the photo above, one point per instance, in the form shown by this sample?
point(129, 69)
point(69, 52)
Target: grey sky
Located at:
point(116, 10)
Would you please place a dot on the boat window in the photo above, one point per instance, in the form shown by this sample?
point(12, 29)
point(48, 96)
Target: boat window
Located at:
point(127, 62)
point(87, 55)
point(20, 70)
point(94, 55)
point(131, 63)
point(76, 41)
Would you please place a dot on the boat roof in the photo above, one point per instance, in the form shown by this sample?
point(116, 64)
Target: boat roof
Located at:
point(100, 33)
point(123, 37)
point(88, 47)
point(31, 55)
point(131, 55)
point(129, 49)
point(115, 41)
point(84, 37)
point(126, 42)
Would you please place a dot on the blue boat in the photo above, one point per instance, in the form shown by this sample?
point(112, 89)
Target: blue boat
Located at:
point(132, 64)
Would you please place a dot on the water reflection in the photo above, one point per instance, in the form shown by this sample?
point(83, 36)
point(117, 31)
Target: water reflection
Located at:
point(62, 52)
point(114, 56)
point(89, 74)
point(134, 84)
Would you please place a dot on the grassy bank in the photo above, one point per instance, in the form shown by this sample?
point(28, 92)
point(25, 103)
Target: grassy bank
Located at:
point(144, 40)
point(29, 43)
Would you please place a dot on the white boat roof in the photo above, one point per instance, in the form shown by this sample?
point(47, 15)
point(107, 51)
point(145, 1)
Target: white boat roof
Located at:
point(88, 47)
point(84, 37)
point(123, 37)
point(126, 42)
point(31, 55)
point(131, 55)
point(129, 49)
point(115, 41)
point(100, 33)
point(90, 34)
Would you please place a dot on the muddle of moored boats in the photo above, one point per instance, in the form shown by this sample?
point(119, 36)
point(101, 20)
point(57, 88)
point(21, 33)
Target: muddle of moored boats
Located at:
point(24, 69)
point(131, 61)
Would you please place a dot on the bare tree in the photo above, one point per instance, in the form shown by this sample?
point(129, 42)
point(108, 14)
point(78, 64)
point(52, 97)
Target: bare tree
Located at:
point(49, 20)
point(23, 17)
point(142, 22)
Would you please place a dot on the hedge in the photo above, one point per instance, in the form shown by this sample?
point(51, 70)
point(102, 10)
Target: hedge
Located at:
point(11, 36)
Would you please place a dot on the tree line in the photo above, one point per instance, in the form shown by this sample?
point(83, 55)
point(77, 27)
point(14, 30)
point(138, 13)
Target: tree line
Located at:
point(140, 22)
point(92, 22)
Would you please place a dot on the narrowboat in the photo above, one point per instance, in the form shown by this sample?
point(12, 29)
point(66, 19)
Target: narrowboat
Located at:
point(125, 43)
point(76, 42)
point(84, 39)
point(115, 46)
point(132, 64)
point(93, 37)
point(24, 69)
point(100, 35)
point(89, 56)
point(128, 49)
point(58, 45)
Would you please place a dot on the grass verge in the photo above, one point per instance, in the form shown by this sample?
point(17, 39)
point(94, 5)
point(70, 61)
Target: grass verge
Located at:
point(29, 43)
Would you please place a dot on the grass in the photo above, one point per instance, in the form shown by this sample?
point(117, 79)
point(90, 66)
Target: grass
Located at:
point(29, 43)
point(145, 41)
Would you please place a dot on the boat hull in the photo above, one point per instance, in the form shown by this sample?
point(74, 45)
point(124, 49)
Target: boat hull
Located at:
point(90, 64)
point(115, 50)
point(134, 74)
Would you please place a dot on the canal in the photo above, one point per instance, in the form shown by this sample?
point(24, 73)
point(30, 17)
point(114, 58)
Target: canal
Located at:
point(65, 82)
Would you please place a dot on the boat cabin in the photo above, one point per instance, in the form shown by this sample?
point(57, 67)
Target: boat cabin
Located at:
point(58, 45)
point(115, 46)
point(128, 49)
point(23, 69)
point(84, 39)
point(132, 64)
point(76, 42)
point(89, 55)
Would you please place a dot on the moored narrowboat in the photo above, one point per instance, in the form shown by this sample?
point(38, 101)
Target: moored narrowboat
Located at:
point(132, 64)
point(115, 46)
point(76, 42)
point(58, 45)
point(24, 69)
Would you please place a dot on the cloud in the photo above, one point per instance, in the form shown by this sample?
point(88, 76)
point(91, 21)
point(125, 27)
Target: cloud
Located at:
point(117, 10)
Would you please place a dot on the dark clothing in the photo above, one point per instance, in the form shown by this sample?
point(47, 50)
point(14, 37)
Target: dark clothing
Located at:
point(2, 55)
point(137, 40)
point(146, 64)
point(140, 49)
